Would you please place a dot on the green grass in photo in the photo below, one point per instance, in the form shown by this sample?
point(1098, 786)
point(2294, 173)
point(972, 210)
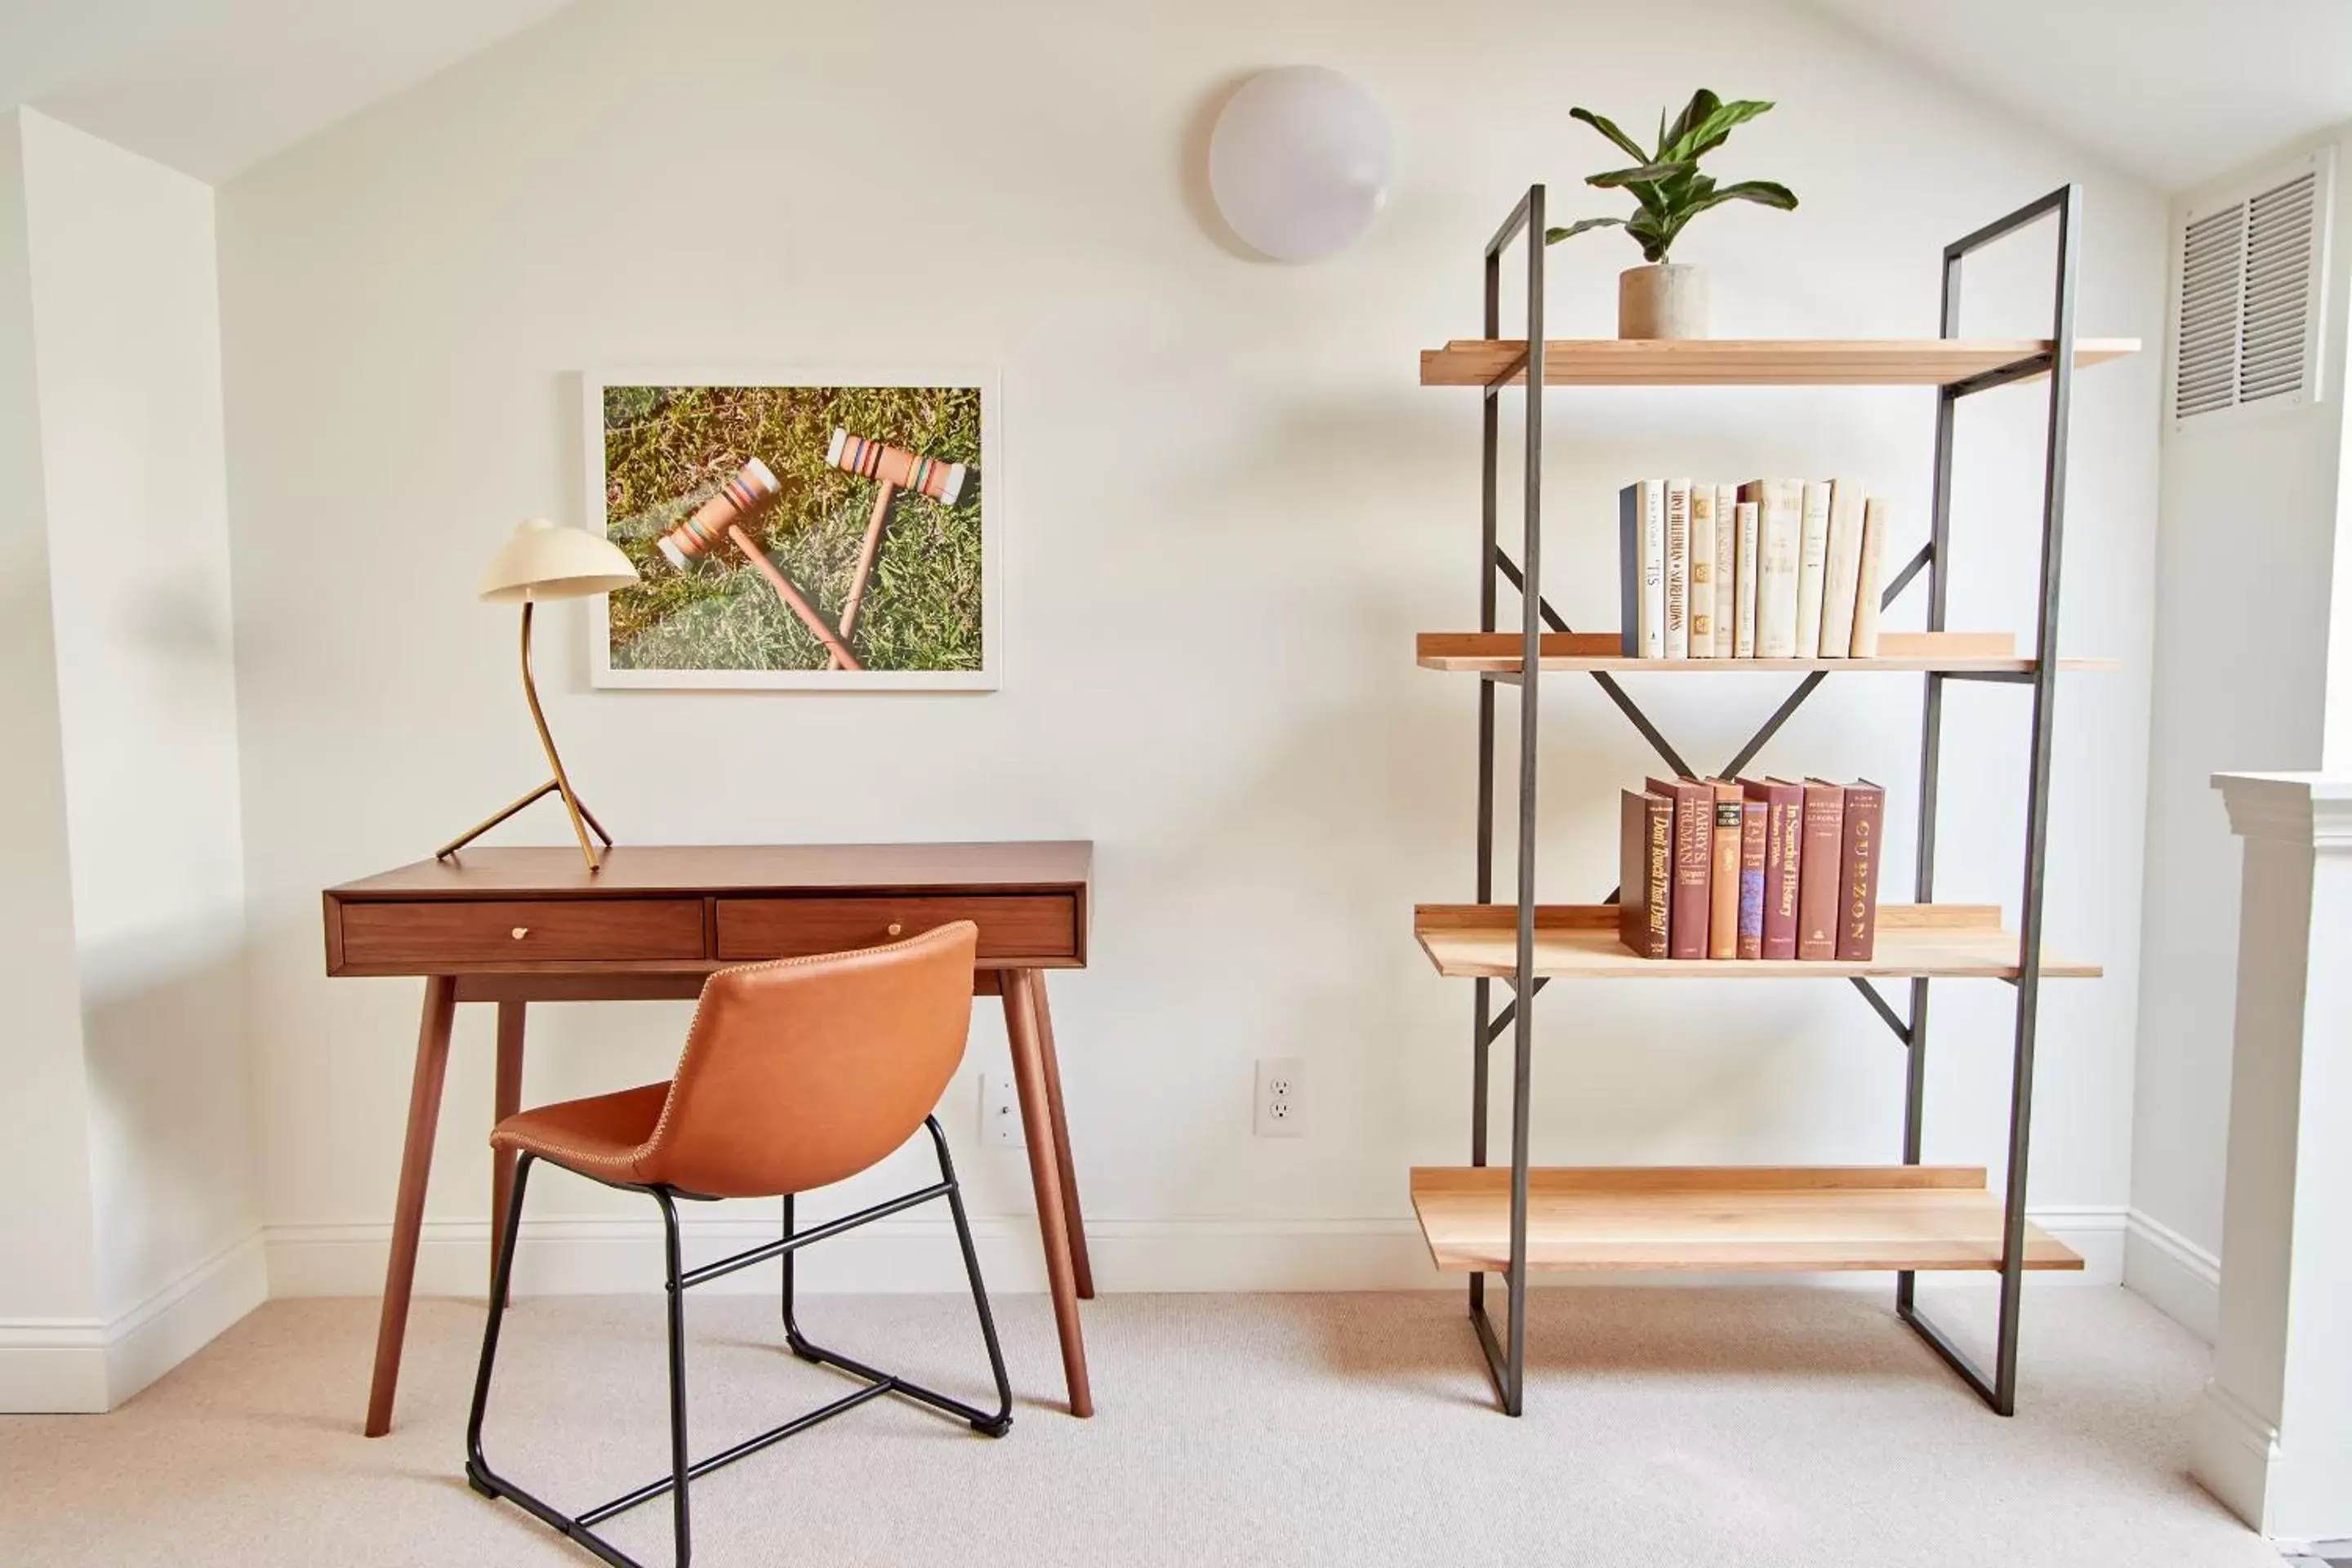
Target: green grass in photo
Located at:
point(668, 449)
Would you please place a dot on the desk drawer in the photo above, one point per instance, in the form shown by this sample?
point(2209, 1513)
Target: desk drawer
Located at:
point(527, 930)
point(1012, 925)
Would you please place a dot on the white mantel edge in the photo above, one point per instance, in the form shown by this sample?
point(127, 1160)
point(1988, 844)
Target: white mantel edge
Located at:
point(2273, 1435)
point(2315, 809)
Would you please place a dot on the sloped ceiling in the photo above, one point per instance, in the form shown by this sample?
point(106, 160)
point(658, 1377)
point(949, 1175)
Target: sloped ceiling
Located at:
point(213, 87)
point(2175, 91)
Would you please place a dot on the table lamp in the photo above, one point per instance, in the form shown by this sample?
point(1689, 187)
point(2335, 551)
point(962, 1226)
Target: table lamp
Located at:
point(540, 563)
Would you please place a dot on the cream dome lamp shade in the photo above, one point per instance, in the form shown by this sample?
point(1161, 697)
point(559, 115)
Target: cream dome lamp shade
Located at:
point(540, 562)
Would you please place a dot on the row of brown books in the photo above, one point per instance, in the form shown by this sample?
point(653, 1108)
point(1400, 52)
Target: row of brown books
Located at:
point(1751, 868)
point(1769, 569)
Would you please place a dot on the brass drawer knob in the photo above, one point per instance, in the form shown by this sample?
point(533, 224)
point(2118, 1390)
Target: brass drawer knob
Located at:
point(521, 932)
point(896, 928)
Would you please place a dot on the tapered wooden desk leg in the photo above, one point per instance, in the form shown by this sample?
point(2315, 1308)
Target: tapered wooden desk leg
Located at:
point(1081, 1266)
point(1045, 1178)
point(408, 1216)
point(510, 1100)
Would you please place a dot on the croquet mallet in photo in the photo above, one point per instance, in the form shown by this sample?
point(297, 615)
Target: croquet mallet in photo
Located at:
point(893, 468)
point(749, 491)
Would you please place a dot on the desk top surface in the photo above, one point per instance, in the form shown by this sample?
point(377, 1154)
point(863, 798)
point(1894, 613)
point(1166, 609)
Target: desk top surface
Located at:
point(636, 868)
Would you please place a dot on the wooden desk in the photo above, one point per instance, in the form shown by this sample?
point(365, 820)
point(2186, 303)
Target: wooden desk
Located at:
point(522, 925)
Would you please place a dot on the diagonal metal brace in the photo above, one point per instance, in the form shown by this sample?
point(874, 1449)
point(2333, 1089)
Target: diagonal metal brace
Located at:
point(1787, 711)
point(1517, 367)
point(2002, 375)
point(1879, 1004)
point(1805, 687)
point(1607, 683)
point(1510, 1010)
point(1911, 568)
point(1796, 698)
point(1771, 726)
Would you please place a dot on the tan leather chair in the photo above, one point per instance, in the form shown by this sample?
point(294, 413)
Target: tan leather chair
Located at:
point(796, 1074)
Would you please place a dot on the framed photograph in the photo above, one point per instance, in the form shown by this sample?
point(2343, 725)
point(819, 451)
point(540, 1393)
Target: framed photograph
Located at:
point(797, 533)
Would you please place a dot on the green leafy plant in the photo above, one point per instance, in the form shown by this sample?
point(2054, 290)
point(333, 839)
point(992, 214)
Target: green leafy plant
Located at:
point(1665, 179)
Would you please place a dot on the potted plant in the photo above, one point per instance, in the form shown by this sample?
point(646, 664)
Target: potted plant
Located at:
point(1664, 298)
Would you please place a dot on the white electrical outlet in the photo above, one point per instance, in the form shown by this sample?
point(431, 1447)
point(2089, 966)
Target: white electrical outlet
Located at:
point(999, 1113)
point(1281, 1097)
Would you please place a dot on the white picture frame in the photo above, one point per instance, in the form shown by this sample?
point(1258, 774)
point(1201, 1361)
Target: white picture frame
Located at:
point(989, 677)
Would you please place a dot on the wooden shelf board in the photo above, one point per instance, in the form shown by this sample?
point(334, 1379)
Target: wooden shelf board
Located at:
point(1747, 362)
point(1578, 942)
point(1498, 653)
point(1723, 1218)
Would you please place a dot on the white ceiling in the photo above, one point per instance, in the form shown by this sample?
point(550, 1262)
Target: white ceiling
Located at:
point(2176, 91)
point(213, 87)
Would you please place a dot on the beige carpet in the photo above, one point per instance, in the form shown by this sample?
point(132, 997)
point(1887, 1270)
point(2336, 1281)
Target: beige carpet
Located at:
point(1783, 1427)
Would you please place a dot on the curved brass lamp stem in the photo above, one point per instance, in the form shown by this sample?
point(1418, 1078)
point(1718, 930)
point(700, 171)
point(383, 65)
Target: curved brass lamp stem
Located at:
point(561, 784)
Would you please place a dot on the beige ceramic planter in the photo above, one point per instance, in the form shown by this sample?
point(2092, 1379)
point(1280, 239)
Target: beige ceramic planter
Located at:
point(1667, 300)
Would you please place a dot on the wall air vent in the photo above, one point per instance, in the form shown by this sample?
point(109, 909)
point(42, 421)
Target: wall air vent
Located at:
point(2205, 335)
point(2245, 329)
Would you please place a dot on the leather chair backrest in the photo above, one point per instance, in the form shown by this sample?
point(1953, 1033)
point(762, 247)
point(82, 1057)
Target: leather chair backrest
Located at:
point(807, 1070)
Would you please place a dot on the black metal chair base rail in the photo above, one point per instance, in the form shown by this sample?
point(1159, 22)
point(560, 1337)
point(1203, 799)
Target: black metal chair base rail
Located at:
point(678, 1279)
point(1506, 1352)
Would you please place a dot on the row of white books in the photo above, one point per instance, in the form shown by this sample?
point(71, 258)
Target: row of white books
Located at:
point(1769, 569)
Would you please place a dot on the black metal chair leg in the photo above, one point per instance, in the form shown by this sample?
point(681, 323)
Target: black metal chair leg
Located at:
point(988, 1423)
point(489, 1482)
point(1002, 1422)
point(680, 1464)
point(478, 1473)
point(676, 1280)
point(792, 1337)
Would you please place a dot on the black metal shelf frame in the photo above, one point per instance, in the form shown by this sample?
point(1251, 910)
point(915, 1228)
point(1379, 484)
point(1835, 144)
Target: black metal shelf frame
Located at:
point(1507, 1353)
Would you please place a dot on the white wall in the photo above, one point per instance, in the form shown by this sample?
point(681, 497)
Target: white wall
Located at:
point(125, 341)
point(1228, 508)
point(49, 1288)
point(2246, 570)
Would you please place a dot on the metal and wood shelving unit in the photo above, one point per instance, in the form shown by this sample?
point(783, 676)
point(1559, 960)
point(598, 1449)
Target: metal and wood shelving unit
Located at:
point(1511, 1220)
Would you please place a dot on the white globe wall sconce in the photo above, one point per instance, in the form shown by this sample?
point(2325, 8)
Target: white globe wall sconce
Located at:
point(1299, 162)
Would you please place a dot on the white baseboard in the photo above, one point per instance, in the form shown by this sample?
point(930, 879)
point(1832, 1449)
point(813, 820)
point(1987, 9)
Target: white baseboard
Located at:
point(87, 1365)
point(184, 1317)
point(604, 1255)
point(52, 1366)
point(2174, 1275)
point(2232, 1451)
